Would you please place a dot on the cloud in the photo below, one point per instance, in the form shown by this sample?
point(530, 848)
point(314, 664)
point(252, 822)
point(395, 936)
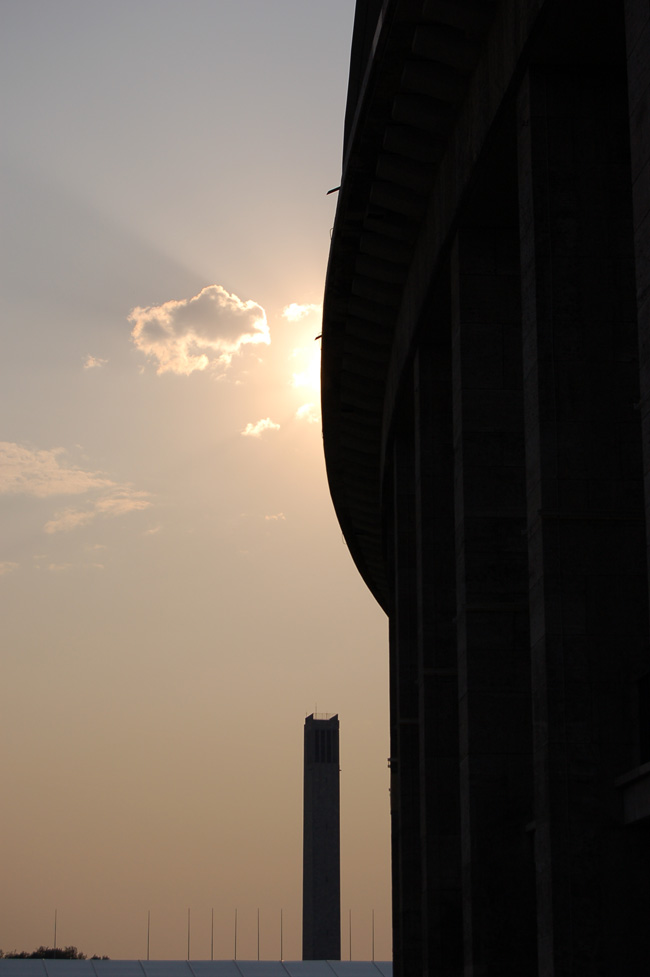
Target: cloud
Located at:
point(28, 471)
point(278, 517)
point(120, 504)
point(295, 312)
point(202, 332)
point(68, 519)
point(25, 471)
point(256, 430)
point(309, 413)
point(94, 362)
point(126, 501)
point(7, 567)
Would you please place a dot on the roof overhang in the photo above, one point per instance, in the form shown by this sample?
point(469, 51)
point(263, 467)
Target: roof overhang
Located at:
point(420, 63)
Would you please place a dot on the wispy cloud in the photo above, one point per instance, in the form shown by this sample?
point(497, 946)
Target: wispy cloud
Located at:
point(44, 473)
point(67, 519)
point(309, 413)
point(295, 311)
point(125, 501)
point(94, 362)
point(277, 517)
point(204, 331)
point(7, 566)
point(27, 471)
point(258, 429)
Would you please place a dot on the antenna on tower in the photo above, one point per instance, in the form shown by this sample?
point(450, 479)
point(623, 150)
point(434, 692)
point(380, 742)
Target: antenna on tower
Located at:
point(148, 930)
point(235, 934)
point(212, 936)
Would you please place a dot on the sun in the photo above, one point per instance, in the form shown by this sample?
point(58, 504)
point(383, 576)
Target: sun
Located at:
point(309, 376)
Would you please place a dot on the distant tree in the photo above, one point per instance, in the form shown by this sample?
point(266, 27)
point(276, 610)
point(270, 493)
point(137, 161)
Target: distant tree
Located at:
point(57, 953)
point(50, 953)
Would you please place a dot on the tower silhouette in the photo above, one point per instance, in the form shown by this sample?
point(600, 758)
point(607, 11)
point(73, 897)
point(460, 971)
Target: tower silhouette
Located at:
point(321, 873)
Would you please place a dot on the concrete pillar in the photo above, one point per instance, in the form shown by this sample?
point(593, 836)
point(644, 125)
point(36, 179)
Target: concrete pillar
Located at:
point(637, 17)
point(437, 662)
point(404, 707)
point(585, 516)
point(492, 580)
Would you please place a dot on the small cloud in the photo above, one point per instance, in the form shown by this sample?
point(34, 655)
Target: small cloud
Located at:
point(309, 413)
point(295, 312)
point(6, 566)
point(58, 567)
point(94, 362)
point(256, 430)
point(152, 531)
point(202, 332)
point(278, 517)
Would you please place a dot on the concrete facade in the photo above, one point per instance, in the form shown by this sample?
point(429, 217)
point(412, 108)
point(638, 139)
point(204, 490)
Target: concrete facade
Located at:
point(321, 859)
point(486, 420)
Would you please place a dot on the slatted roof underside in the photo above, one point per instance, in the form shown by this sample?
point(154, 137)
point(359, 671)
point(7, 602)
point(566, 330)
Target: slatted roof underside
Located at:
point(424, 54)
point(194, 968)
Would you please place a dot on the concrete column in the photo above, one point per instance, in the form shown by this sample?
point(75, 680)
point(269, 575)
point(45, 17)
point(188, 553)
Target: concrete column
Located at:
point(637, 17)
point(585, 516)
point(405, 746)
point(492, 579)
point(437, 664)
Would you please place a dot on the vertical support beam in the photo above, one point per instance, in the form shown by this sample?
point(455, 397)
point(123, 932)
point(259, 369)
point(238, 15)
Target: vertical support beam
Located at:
point(437, 662)
point(637, 24)
point(405, 747)
point(492, 581)
point(585, 515)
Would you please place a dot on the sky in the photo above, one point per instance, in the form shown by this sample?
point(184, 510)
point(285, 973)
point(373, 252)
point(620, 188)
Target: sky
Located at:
point(175, 592)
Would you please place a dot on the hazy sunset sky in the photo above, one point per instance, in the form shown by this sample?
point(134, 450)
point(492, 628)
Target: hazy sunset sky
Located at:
point(175, 592)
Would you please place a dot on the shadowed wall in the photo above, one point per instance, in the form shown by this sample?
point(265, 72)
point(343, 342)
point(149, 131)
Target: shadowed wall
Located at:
point(485, 416)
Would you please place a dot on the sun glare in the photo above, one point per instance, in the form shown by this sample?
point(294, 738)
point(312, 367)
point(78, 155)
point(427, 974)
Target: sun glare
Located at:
point(309, 376)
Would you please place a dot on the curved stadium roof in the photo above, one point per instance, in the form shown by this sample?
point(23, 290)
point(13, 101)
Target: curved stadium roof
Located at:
point(404, 101)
